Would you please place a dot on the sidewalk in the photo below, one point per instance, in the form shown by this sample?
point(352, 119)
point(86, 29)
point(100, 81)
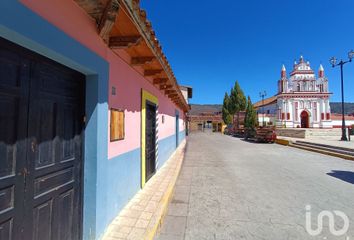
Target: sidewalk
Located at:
point(142, 216)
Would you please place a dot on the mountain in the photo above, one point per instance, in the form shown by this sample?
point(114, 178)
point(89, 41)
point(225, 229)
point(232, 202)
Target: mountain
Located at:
point(336, 107)
point(202, 108)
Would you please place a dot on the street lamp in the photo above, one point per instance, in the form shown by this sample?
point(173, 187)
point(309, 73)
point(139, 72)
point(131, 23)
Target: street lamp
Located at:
point(334, 63)
point(262, 95)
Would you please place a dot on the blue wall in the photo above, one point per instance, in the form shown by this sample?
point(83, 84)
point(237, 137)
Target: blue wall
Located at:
point(182, 136)
point(167, 146)
point(123, 177)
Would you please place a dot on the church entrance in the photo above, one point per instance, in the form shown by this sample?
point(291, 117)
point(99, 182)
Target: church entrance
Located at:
point(305, 120)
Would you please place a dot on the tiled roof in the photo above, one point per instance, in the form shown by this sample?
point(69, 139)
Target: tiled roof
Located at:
point(336, 116)
point(266, 102)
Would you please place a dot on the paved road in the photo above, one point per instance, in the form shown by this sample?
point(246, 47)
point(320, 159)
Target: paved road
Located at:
point(232, 189)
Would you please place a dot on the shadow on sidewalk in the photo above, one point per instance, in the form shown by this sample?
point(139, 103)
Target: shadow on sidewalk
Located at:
point(343, 175)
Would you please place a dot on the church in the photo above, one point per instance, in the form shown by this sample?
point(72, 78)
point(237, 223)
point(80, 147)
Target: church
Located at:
point(302, 100)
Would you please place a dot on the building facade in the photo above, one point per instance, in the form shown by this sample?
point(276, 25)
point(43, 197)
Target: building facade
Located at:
point(90, 110)
point(303, 98)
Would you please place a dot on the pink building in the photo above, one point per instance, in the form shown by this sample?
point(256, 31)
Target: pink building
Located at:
point(90, 110)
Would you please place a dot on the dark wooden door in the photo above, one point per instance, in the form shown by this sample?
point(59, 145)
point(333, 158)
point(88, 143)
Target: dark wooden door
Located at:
point(150, 141)
point(305, 120)
point(42, 120)
point(177, 130)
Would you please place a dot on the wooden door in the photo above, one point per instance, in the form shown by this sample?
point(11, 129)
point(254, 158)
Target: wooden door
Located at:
point(177, 130)
point(305, 121)
point(150, 141)
point(49, 115)
point(14, 86)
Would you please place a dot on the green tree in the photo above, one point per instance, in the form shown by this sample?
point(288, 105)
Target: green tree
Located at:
point(238, 102)
point(225, 109)
point(232, 103)
point(251, 116)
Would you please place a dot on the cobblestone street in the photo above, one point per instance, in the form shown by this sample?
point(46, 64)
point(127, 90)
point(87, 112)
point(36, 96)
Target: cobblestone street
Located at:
point(232, 189)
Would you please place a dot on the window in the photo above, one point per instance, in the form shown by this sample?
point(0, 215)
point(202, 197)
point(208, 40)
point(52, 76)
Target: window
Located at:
point(117, 125)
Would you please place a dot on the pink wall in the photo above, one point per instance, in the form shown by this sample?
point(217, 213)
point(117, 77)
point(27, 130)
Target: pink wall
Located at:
point(69, 17)
point(128, 83)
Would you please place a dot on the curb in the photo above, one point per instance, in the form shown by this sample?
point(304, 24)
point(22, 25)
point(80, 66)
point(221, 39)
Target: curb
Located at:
point(161, 212)
point(282, 142)
point(324, 152)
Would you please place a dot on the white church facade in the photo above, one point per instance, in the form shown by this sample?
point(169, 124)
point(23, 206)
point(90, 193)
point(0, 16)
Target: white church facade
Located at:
point(302, 100)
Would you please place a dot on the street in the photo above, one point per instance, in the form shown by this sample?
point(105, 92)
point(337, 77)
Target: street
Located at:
point(232, 189)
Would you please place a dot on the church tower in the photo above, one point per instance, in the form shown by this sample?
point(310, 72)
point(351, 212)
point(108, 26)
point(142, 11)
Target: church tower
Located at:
point(322, 81)
point(283, 82)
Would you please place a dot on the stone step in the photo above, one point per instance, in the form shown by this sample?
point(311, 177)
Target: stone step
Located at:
point(340, 150)
point(326, 152)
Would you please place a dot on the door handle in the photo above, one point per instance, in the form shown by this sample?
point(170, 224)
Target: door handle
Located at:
point(23, 172)
point(33, 145)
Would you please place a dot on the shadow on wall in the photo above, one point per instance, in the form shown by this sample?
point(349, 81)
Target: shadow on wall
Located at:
point(343, 175)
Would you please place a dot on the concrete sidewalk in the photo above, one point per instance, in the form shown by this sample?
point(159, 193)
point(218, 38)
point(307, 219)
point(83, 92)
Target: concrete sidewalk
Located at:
point(142, 216)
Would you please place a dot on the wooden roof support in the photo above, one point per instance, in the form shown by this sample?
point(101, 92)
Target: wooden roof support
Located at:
point(124, 41)
point(160, 80)
point(152, 72)
point(165, 87)
point(108, 19)
point(141, 60)
point(167, 92)
point(174, 95)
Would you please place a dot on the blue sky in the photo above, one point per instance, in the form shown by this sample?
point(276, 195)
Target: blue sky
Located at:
point(211, 44)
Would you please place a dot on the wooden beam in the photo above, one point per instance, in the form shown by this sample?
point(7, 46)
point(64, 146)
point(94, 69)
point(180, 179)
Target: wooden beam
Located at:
point(152, 72)
point(172, 95)
point(108, 19)
point(165, 87)
point(160, 80)
point(141, 60)
point(167, 92)
point(124, 41)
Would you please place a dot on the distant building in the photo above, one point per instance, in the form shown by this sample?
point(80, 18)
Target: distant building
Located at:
point(206, 120)
point(187, 92)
